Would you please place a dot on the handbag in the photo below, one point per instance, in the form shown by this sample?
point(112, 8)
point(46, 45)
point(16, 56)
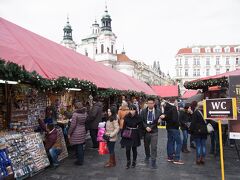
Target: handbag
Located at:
point(127, 133)
point(209, 128)
point(106, 137)
point(102, 149)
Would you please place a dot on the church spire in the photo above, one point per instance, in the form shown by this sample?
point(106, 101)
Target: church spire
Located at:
point(67, 31)
point(106, 21)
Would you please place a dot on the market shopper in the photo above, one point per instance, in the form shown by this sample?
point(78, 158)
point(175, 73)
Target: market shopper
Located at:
point(112, 128)
point(198, 129)
point(50, 143)
point(185, 121)
point(77, 131)
point(94, 117)
point(122, 112)
point(150, 118)
point(131, 135)
point(174, 142)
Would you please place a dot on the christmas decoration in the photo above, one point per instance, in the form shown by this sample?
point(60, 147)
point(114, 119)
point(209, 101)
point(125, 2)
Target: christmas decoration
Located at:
point(223, 82)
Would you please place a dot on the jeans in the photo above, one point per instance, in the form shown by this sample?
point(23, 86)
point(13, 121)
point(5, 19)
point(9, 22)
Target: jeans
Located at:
point(185, 139)
point(80, 153)
point(93, 134)
point(151, 139)
point(200, 147)
point(111, 146)
point(174, 138)
point(54, 153)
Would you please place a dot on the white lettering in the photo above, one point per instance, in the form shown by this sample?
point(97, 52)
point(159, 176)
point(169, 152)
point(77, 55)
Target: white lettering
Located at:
point(223, 107)
point(215, 105)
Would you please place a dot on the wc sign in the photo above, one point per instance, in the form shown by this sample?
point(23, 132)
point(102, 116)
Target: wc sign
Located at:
point(220, 109)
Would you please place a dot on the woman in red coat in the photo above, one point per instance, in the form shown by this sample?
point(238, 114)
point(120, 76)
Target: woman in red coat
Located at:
point(77, 131)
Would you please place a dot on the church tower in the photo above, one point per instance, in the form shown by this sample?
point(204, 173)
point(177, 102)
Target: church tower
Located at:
point(67, 37)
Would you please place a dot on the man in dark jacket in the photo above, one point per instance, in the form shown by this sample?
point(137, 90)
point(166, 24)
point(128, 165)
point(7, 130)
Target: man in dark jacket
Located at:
point(171, 117)
point(150, 117)
point(50, 142)
point(94, 117)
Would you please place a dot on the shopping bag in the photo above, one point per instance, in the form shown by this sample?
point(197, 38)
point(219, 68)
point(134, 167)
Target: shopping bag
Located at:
point(102, 149)
point(100, 134)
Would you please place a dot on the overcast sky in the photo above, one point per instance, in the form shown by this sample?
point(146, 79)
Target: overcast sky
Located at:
point(149, 29)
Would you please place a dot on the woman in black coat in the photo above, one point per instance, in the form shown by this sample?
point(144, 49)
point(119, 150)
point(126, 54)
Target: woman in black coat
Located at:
point(132, 122)
point(198, 129)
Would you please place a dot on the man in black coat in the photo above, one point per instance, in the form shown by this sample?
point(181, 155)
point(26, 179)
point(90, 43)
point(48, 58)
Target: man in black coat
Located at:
point(94, 117)
point(172, 120)
point(150, 117)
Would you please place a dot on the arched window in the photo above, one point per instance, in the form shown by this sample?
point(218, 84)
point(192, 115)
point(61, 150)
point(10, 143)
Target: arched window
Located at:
point(102, 48)
point(108, 49)
point(96, 51)
point(112, 49)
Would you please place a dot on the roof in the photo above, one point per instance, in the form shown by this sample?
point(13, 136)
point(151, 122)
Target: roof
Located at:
point(202, 49)
point(52, 60)
point(166, 91)
point(123, 58)
point(189, 93)
point(226, 74)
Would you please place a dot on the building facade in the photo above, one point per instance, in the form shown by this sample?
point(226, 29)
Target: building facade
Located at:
point(201, 61)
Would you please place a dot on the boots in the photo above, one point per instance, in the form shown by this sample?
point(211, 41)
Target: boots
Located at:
point(134, 164)
point(111, 162)
point(198, 161)
point(202, 161)
point(128, 164)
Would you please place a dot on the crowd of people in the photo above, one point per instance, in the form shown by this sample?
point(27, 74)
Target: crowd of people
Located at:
point(135, 125)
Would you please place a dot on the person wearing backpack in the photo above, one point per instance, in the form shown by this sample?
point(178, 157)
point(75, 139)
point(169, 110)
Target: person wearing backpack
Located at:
point(173, 133)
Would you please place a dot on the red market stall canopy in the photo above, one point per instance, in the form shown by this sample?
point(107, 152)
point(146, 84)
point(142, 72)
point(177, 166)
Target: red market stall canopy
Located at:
point(189, 93)
point(166, 91)
point(52, 60)
point(209, 81)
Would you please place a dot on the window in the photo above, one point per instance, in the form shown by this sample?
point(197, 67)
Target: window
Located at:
point(227, 69)
point(196, 50)
point(102, 48)
point(237, 49)
point(186, 61)
point(227, 60)
point(207, 72)
point(112, 49)
point(194, 72)
point(237, 61)
point(217, 50)
point(198, 72)
point(217, 71)
point(198, 61)
point(217, 60)
point(227, 50)
point(186, 72)
point(194, 61)
point(208, 50)
point(180, 61)
point(86, 53)
point(207, 61)
point(176, 61)
point(96, 51)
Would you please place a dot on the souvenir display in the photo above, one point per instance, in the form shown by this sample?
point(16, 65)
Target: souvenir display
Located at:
point(62, 144)
point(22, 161)
point(36, 149)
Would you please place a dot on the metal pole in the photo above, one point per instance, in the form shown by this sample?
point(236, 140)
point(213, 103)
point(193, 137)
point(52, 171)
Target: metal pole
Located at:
point(221, 149)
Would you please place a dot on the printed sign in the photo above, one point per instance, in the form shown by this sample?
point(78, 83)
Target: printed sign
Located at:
point(220, 109)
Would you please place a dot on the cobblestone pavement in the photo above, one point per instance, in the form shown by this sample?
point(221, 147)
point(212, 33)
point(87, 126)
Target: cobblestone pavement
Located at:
point(93, 167)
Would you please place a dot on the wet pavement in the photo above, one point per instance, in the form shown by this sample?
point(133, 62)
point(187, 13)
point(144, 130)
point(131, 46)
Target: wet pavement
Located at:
point(93, 166)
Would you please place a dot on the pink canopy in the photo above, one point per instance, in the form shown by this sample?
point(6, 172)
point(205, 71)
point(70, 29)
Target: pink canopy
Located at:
point(166, 91)
point(51, 60)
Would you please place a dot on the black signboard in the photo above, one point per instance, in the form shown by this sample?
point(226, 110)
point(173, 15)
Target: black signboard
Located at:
point(234, 91)
point(220, 109)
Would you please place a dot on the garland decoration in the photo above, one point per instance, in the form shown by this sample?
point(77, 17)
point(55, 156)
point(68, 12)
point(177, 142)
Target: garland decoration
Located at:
point(223, 82)
point(10, 71)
